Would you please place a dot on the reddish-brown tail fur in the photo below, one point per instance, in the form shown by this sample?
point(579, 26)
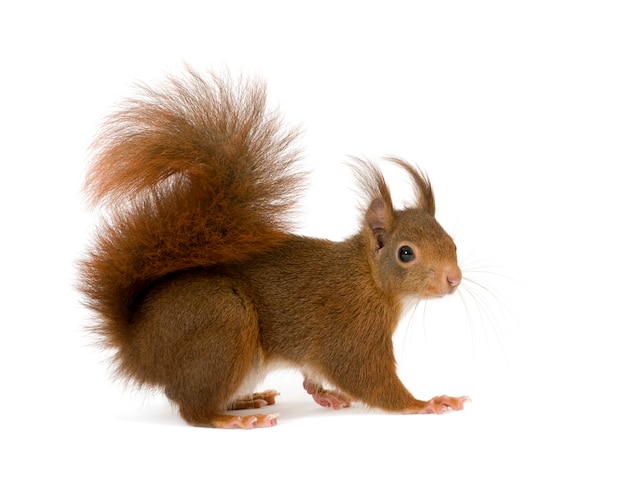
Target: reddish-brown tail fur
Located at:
point(197, 173)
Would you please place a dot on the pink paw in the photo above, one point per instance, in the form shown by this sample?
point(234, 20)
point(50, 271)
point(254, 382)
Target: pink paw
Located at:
point(326, 398)
point(244, 422)
point(253, 421)
point(439, 405)
point(263, 421)
point(255, 400)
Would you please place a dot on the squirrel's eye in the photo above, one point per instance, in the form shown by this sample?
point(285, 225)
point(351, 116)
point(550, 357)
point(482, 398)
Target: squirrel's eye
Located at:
point(405, 254)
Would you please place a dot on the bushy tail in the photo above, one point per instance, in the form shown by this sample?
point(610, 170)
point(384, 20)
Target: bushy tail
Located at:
point(197, 173)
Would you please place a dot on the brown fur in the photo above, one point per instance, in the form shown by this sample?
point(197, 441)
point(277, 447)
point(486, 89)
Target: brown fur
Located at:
point(197, 283)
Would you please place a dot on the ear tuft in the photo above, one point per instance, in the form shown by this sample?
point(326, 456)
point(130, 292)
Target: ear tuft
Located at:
point(379, 213)
point(423, 189)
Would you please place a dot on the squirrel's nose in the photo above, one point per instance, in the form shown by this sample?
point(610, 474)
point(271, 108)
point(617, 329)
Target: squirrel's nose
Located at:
point(453, 276)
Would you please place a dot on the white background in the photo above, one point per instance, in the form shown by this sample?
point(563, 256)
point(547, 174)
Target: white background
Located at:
point(517, 110)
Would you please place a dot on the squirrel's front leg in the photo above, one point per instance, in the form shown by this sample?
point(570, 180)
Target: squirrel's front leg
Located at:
point(393, 396)
point(372, 379)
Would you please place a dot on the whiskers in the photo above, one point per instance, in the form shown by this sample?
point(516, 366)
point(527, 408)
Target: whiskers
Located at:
point(477, 322)
point(486, 294)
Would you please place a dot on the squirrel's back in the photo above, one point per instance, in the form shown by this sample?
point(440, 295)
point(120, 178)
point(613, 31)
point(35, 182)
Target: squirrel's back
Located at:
point(197, 173)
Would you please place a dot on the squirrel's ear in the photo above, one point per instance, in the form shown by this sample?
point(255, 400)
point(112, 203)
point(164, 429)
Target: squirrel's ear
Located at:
point(378, 218)
point(379, 215)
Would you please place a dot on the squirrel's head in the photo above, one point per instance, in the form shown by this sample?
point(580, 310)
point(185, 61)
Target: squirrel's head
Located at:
point(410, 253)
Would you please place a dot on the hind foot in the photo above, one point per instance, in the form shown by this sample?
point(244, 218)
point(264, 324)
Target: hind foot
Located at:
point(217, 420)
point(255, 400)
point(244, 422)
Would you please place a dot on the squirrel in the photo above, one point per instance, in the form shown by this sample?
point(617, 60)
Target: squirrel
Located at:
point(198, 284)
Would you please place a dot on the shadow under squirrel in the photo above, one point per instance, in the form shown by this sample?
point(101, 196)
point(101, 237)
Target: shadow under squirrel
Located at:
point(198, 285)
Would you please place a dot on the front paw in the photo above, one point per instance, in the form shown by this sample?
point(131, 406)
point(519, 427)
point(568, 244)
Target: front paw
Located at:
point(439, 405)
point(326, 398)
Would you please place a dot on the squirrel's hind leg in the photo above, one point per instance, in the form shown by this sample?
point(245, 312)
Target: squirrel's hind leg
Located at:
point(202, 335)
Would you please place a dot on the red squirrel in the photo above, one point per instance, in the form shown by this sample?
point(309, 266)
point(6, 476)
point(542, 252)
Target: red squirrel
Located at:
point(200, 288)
